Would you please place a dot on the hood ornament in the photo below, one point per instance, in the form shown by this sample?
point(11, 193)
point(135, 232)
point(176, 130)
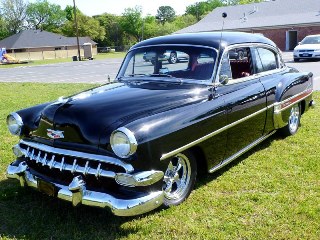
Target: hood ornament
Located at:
point(54, 134)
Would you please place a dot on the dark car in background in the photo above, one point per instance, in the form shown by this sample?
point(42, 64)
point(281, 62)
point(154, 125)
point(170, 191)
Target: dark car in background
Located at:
point(141, 142)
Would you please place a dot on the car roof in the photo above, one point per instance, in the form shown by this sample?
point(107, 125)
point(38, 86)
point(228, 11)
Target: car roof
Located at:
point(209, 39)
point(315, 35)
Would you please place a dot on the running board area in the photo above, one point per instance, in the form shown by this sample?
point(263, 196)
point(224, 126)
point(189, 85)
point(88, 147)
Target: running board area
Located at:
point(242, 151)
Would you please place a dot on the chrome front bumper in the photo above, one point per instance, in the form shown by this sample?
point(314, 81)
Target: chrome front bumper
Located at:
point(77, 193)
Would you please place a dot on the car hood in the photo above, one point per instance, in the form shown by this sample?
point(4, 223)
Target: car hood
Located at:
point(307, 46)
point(82, 118)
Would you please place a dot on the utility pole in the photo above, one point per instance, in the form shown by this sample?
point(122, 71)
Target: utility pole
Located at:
point(76, 25)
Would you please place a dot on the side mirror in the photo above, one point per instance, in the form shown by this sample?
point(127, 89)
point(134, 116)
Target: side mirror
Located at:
point(299, 43)
point(224, 79)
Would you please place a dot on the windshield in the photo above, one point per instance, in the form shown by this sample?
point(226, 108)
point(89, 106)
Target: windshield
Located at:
point(183, 62)
point(311, 40)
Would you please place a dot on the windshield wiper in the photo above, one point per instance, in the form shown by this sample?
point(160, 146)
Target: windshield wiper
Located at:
point(137, 74)
point(160, 75)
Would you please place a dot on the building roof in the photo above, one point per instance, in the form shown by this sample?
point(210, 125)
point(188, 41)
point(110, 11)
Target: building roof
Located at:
point(39, 39)
point(263, 15)
point(210, 39)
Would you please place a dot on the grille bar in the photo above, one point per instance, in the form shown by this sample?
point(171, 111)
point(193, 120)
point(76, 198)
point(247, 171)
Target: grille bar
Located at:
point(62, 166)
point(72, 154)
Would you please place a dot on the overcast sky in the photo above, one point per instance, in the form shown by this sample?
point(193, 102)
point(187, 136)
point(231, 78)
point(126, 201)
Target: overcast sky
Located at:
point(95, 7)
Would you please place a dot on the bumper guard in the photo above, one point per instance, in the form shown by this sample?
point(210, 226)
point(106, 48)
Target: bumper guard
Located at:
point(77, 193)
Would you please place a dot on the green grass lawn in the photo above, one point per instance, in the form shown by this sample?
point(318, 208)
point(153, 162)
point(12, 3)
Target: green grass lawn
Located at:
point(62, 60)
point(271, 192)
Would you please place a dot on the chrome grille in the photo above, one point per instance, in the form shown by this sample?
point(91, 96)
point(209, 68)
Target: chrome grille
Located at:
point(72, 161)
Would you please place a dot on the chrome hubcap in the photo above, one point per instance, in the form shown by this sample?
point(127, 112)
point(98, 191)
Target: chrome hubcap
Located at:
point(177, 177)
point(294, 118)
point(173, 58)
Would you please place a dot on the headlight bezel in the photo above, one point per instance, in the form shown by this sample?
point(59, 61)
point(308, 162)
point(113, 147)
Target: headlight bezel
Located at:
point(130, 140)
point(18, 122)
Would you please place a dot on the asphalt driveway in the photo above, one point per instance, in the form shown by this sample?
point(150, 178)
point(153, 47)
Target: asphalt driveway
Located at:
point(97, 71)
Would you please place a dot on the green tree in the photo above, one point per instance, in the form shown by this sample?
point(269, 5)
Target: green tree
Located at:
point(132, 23)
point(111, 25)
point(14, 14)
point(3, 29)
point(165, 14)
point(87, 27)
point(44, 15)
point(184, 21)
point(150, 27)
point(200, 9)
point(238, 2)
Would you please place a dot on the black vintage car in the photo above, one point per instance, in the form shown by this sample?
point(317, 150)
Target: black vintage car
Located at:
point(138, 143)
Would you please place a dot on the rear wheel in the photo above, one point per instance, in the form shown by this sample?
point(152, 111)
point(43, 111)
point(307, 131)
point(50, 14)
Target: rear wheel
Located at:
point(293, 122)
point(240, 55)
point(173, 58)
point(179, 178)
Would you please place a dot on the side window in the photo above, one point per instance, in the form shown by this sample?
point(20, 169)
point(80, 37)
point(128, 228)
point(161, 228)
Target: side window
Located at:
point(225, 66)
point(237, 63)
point(265, 60)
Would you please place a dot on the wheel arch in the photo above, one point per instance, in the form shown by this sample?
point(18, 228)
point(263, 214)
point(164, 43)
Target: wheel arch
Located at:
point(202, 165)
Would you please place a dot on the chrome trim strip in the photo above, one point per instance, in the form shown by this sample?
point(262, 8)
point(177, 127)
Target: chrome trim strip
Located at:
point(210, 135)
point(77, 193)
point(306, 92)
point(74, 154)
point(278, 120)
point(242, 151)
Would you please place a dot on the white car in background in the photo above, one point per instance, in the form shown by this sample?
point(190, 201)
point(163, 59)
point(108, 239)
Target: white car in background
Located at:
point(170, 56)
point(308, 48)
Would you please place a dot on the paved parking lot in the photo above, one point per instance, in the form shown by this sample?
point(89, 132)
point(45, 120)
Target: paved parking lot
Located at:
point(97, 71)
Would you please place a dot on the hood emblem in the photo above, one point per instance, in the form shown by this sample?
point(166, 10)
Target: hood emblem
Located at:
point(54, 134)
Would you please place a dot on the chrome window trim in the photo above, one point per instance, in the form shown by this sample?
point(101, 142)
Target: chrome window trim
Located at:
point(74, 154)
point(256, 75)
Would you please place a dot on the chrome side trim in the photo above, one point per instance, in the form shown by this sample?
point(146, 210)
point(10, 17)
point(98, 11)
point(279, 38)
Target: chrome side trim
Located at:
point(74, 154)
point(289, 102)
point(242, 151)
point(77, 193)
point(210, 135)
point(279, 107)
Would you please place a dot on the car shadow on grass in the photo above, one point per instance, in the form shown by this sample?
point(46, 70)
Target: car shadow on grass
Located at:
point(28, 214)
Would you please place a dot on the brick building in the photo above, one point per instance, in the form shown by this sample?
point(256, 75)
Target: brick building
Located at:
point(286, 22)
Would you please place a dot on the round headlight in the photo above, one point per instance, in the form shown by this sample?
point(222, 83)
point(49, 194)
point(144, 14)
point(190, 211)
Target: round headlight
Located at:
point(14, 123)
point(123, 142)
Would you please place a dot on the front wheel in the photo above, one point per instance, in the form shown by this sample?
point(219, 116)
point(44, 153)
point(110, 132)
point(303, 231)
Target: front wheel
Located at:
point(293, 122)
point(179, 178)
point(296, 59)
